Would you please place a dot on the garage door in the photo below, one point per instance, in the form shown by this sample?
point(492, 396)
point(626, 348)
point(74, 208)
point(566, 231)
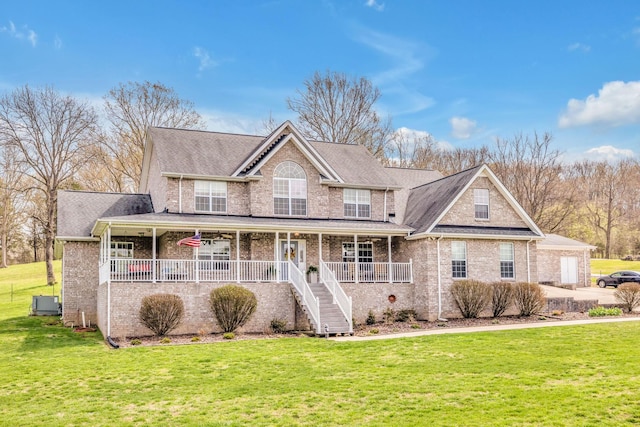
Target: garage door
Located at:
point(569, 266)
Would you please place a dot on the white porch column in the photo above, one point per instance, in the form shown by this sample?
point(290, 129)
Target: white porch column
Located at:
point(238, 256)
point(389, 258)
point(277, 256)
point(320, 257)
point(288, 257)
point(197, 262)
point(153, 255)
point(356, 275)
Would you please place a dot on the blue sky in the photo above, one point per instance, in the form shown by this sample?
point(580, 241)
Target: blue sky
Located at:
point(464, 71)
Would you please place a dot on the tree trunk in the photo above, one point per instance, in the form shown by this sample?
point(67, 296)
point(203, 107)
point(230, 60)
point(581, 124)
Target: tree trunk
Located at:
point(50, 235)
point(4, 249)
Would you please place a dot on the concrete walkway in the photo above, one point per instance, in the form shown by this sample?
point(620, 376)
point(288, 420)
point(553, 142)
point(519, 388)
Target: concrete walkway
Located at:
point(603, 295)
point(490, 328)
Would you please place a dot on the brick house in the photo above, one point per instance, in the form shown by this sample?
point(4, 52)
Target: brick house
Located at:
point(268, 210)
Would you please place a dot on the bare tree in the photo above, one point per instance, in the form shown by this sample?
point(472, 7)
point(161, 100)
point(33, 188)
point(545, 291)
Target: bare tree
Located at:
point(336, 108)
point(535, 175)
point(130, 109)
point(607, 190)
point(12, 197)
point(49, 131)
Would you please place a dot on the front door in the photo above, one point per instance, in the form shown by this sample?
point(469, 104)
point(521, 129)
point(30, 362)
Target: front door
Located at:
point(290, 251)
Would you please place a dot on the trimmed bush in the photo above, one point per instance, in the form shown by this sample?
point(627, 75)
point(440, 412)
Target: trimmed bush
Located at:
point(371, 318)
point(528, 298)
point(628, 294)
point(161, 313)
point(501, 297)
point(406, 316)
point(278, 326)
point(472, 296)
point(232, 306)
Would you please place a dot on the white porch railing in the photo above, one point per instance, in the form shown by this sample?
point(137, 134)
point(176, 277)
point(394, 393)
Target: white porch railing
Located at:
point(372, 272)
point(309, 301)
point(171, 270)
point(339, 296)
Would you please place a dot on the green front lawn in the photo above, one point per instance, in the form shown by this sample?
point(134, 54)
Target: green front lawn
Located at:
point(581, 375)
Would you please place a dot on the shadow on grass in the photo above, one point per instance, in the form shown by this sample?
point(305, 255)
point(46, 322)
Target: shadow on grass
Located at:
point(38, 333)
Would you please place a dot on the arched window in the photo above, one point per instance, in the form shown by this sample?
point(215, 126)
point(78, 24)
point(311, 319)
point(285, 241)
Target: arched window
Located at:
point(289, 189)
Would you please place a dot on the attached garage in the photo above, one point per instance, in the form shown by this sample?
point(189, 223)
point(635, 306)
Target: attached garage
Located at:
point(564, 262)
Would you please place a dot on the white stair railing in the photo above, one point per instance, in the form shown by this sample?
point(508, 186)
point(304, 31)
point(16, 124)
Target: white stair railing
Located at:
point(339, 296)
point(310, 301)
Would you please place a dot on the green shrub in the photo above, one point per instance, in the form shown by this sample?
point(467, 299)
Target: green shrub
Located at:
point(389, 316)
point(228, 335)
point(371, 318)
point(501, 297)
point(165, 340)
point(406, 316)
point(161, 313)
point(195, 339)
point(136, 342)
point(528, 298)
point(278, 326)
point(232, 306)
point(628, 294)
point(601, 311)
point(472, 296)
point(373, 331)
point(415, 326)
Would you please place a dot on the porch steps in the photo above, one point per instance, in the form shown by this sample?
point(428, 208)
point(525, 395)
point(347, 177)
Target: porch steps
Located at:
point(330, 313)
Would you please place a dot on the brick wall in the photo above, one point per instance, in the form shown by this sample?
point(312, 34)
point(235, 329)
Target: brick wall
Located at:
point(550, 265)
point(501, 214)
point(275, 300)
point(80, 281)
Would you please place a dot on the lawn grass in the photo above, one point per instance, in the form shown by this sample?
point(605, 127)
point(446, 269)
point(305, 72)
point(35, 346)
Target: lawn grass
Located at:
point(602, 267)
point(579, 375)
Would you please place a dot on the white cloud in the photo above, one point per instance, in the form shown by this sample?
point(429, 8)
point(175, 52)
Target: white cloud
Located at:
point(608, 152)
point(57, 42)
point(16, 33)
point(579, 46)
point(617, 103)
point(413, 135)
point(375, 5)
point(462, 128)
point(205, 59)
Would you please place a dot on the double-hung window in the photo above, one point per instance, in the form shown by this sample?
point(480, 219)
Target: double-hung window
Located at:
point(289, 190)
point(481, 203)
point(507, 270)
point(121, 250)
point(211, 196)
point(357, 203)
point(365, 252)
point(458, 260)
point(216, 252)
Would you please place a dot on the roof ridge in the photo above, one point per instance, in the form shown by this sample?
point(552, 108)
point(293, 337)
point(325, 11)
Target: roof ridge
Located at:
point(115, 193)
point(207, 131)
point(449, 176)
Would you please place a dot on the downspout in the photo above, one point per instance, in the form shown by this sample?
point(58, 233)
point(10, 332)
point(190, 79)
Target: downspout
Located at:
point(440, 318)
point(528, 262)
point(180, 195)
point(109, 340)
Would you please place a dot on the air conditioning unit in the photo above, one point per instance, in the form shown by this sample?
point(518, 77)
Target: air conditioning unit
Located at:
point(44, 305)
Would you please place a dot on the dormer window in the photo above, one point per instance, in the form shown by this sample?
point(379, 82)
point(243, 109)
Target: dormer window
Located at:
point(481, 203)
point(211, 196)
point(289, 190)
point(357, 203)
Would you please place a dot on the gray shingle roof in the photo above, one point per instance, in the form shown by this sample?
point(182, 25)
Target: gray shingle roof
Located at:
point(427, 202)
point(334, 226)
point(487, 231)
point(78, 210)
point(555, 241)
point(408, 179)
point(204, 153)
point(193, 152)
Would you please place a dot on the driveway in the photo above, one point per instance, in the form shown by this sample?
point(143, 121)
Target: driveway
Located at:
point(603, 295)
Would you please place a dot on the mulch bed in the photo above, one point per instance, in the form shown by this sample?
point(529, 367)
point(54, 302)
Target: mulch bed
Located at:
point(379, 328)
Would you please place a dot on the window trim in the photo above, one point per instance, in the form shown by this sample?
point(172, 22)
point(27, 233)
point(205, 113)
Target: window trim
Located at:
point(456, 269)
point(113, 255)
point(481, 198)
point(210, 197)
point(368, 246)
point(512, 261)
point(290, 189)
point(358, 193)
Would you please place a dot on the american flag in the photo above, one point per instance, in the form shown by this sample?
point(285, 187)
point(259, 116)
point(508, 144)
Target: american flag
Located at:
point(193, 241)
